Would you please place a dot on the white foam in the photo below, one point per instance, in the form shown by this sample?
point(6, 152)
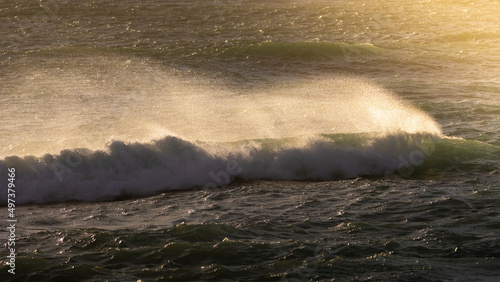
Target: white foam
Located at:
point(171, 163)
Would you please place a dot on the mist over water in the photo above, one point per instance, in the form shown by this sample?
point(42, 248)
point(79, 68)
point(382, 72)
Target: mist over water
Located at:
point(87, 102)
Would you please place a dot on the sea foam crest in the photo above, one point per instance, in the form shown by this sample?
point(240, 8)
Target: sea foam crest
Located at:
point(171, 163)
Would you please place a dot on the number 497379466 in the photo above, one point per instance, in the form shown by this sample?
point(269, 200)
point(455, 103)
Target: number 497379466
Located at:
point(11, 193)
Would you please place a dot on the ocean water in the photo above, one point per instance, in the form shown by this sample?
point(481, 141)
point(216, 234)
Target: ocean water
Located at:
point(251, 140)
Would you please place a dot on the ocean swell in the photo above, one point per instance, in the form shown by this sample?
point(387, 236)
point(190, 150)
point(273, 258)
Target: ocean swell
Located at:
point(171, 163)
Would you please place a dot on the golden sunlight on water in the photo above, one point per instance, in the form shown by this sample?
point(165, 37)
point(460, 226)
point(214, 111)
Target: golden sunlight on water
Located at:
point(131, 101)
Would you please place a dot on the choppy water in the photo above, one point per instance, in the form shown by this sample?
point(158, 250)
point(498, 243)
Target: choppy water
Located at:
point(252, 140)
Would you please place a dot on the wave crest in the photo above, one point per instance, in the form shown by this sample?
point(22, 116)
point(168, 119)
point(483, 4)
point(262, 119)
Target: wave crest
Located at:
point(138, 169)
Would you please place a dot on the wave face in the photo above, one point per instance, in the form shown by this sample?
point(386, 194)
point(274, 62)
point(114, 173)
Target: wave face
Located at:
point(170, 163)
point(138, 169)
